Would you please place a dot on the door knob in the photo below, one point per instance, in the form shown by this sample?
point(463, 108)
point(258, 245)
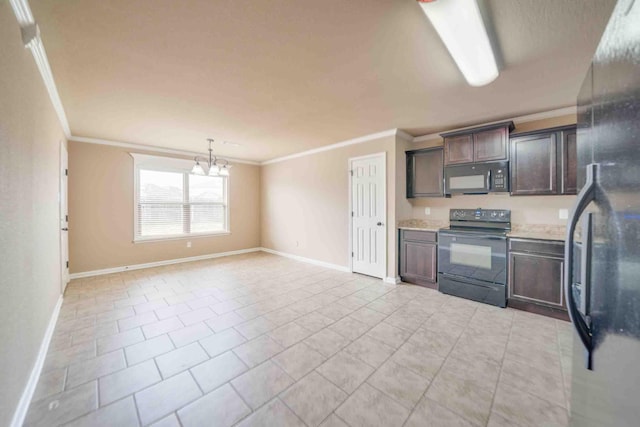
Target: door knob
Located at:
point(379, 224)
point(65, 229)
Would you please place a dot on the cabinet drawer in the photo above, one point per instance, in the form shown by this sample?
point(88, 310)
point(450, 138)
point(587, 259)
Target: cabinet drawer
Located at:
point(419, 236)
point(537, 246)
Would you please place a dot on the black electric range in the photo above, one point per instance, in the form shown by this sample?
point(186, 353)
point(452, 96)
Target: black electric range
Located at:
point(472, 255)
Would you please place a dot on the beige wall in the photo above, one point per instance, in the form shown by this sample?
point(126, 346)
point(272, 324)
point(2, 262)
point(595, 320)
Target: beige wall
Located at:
point(524, 209)
point(101, 197)
point(30, 137)
point(305, 203)
point(404, 208)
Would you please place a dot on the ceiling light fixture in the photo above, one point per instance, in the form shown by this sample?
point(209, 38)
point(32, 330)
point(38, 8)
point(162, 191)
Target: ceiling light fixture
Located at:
point(216, 166)
point(461, 28)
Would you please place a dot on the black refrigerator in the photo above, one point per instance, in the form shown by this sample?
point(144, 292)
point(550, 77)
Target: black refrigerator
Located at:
point(602, 251)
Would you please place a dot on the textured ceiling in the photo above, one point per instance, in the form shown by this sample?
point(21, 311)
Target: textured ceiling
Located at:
point(283, 76)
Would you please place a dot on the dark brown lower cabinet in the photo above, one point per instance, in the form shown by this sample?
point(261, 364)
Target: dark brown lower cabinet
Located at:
point(536, 277)
point(418, 256)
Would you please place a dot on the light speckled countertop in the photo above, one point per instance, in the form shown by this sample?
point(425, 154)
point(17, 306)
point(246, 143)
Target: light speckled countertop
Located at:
point(538, 231)
point(522, 231)
point(422, 225)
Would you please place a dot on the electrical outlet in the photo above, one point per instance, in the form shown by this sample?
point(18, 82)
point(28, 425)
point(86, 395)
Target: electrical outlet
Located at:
point(427, 211)
point(188, 244)
point(563, 213)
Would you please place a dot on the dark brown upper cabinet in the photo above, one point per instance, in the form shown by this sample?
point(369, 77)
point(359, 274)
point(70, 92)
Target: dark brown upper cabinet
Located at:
point(425, 173)
point(481, 144)
point(544, 162)
point(458, 149)
point(569, 162)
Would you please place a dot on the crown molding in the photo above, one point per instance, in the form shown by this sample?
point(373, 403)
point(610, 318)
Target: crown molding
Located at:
point(359, 140)
point(521, 119)
point(152, 148)
point(404, 135)
point(22, 11)
point(25, 20)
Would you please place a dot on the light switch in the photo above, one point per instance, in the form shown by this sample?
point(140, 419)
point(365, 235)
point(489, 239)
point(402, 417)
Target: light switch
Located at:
point(427, 211)
point(563, 213)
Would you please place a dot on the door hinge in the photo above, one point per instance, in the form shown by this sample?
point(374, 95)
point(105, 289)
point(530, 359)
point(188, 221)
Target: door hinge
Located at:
point(66, 172)
point(352, 214)
point(351, 172)
point(66, 218)
point(67, 264)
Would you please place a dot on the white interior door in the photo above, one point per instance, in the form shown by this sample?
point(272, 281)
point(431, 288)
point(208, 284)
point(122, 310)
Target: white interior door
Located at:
point(369, 215)
point(64, 216)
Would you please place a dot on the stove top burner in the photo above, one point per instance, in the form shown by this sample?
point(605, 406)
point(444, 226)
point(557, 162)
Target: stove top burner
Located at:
point(480, 219)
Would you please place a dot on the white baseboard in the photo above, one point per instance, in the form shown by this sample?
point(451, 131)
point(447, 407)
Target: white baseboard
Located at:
point(218, 255)
point(308, 260)
point(27, 394)
point(160, 263)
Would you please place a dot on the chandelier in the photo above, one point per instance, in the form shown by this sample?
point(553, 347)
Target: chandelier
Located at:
point(215, 166)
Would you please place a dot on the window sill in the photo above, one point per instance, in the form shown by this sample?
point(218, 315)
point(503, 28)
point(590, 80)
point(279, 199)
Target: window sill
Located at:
point(181, 237)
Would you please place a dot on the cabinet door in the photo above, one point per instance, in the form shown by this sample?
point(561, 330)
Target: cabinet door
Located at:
point(490, 145)
point(536, 278)
point(533, 165)
point(425, 173)
point(418, 261)
point(569, 162)
point(458, 149)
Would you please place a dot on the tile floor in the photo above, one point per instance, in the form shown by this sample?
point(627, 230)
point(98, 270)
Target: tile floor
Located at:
point(260, 340)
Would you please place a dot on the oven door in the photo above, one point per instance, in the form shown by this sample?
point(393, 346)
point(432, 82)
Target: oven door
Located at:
point(477, 256)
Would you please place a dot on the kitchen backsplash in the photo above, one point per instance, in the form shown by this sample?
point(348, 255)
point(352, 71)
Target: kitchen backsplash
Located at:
point(524, 209)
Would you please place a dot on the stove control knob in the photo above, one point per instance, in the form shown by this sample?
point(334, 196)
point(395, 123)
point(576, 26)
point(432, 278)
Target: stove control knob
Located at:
point(494, 214)
point(501, 214)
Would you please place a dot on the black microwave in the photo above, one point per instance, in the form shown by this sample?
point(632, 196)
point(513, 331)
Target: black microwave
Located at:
point(477, 178)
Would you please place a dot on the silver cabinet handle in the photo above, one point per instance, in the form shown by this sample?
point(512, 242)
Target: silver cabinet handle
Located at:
point(586, 196)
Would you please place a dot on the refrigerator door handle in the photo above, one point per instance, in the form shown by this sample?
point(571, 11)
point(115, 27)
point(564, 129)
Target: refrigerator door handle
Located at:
point(586, 196)
point(585, 264)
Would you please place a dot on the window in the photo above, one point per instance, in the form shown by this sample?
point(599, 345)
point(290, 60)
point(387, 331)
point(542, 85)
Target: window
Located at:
point(171, 203)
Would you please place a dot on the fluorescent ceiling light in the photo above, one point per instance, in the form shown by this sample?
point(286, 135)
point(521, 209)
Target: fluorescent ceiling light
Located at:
point(460, 26)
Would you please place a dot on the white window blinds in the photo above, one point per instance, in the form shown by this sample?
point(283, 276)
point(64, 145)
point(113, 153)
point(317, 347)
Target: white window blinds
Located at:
point(173, 203)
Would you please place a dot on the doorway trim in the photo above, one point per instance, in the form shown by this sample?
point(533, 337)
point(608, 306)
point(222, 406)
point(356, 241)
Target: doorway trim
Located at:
point(383, 155)
point(63, 197)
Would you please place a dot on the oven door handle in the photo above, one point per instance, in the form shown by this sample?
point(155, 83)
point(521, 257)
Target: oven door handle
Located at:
point(472, 236)
point(488, 180)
